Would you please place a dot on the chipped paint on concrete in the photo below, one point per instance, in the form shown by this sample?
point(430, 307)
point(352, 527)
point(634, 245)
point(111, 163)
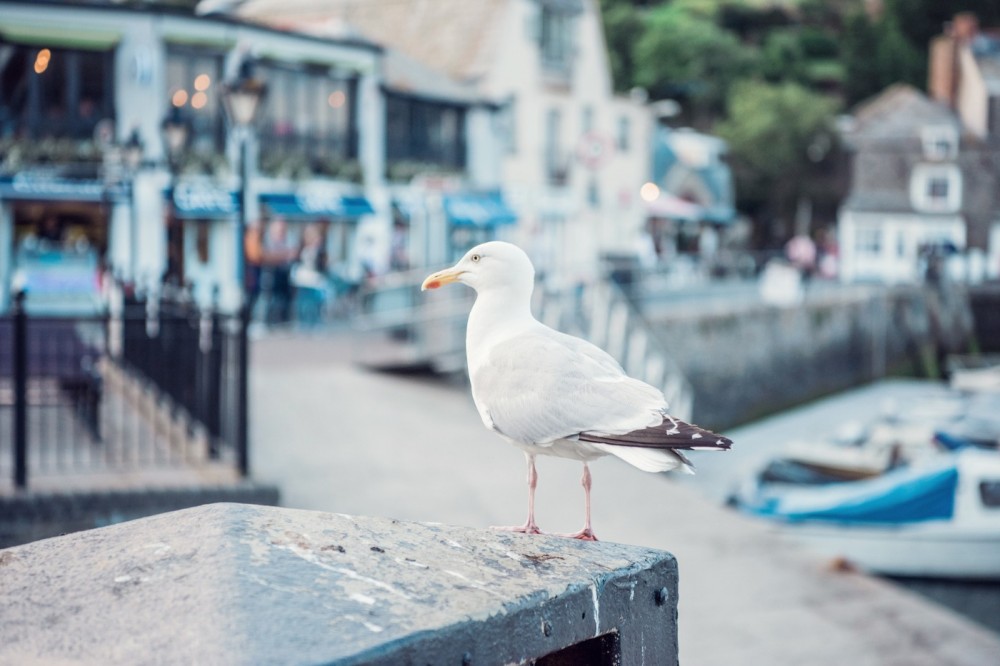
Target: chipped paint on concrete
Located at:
point(235, 584)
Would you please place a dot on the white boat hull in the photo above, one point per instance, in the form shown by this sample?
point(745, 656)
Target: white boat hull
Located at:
point(932, 550)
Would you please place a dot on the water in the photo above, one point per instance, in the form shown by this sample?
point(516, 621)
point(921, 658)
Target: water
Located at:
point(756, 443)
point(976, 600)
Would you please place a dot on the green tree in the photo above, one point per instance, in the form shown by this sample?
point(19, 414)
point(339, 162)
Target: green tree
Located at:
point(779, 136)
point(879, 53)
point(683, 56)
point(622, 22)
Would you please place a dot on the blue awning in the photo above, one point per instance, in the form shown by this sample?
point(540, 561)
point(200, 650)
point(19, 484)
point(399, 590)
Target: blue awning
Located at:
point(478, 210)
point(316, 205)
point(47, 188)
point(203, 201)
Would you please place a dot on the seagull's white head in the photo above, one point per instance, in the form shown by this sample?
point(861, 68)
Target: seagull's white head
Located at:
point(493, 265)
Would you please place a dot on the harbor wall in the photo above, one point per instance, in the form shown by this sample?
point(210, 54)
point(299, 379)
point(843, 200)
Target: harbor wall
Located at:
point(750, 360)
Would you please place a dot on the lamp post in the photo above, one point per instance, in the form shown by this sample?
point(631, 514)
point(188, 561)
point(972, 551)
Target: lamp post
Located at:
point(241, 99)
point(175, 135)
point(132, 151)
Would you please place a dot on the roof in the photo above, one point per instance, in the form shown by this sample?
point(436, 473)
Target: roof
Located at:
point(883, 201)
point(403, 74)
point(465, 32)
point(900, 111)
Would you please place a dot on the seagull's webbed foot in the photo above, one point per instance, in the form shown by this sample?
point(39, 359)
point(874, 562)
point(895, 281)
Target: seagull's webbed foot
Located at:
point(527, 528)
point(586, 534)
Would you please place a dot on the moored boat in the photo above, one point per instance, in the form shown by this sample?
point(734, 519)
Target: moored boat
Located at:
point(937, 518)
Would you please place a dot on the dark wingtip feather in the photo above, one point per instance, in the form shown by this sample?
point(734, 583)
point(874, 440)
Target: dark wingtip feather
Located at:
point(670, 434)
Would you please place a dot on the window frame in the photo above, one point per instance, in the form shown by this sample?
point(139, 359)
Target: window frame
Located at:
point(29, 119)
point(923, 179)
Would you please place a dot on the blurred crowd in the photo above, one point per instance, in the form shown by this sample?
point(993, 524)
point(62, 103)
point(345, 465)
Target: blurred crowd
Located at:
point(294, 280)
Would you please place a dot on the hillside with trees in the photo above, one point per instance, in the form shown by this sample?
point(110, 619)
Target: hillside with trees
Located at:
point(771, 76)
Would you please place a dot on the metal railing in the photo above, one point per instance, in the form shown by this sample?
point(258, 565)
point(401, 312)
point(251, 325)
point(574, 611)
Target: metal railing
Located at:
point(151, 384)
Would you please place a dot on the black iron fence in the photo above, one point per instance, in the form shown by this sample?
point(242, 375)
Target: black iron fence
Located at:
point(154, 383)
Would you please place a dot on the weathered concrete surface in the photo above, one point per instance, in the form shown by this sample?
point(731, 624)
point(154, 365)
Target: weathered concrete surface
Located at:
point(241, 584)
point(336, 438)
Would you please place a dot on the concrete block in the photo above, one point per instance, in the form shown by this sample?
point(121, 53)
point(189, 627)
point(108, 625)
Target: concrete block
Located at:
point(244, 584)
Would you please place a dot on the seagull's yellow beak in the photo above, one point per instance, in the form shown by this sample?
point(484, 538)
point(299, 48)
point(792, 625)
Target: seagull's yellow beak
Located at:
point(441, 278)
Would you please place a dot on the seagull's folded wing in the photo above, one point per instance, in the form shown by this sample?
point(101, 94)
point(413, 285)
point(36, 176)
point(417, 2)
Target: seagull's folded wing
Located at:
point(543, 386)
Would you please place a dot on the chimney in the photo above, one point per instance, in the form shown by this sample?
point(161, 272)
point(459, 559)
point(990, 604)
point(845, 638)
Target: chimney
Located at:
point(943, 66)
point(942, 69)
point(964, 26)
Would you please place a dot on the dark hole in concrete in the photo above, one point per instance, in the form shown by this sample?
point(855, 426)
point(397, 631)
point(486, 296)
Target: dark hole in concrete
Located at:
point(598, 651)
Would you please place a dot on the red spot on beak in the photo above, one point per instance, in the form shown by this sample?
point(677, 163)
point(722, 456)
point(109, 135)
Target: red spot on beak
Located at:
point(433, 285)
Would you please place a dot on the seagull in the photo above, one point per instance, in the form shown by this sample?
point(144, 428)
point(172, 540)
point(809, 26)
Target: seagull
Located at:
point(549, 393)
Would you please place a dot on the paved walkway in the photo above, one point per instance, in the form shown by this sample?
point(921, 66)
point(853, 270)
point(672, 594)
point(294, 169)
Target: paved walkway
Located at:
point(337, 438)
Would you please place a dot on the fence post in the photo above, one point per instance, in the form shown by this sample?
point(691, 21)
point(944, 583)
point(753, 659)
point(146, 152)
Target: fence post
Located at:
point(242, 395)
point(20, 392)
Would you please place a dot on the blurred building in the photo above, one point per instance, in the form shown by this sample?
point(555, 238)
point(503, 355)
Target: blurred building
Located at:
point(693, 196)
point(926, 171)
point(572, 156)
point(114, 145)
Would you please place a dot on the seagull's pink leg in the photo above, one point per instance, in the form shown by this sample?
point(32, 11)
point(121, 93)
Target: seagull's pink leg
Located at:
point(530, 526)
point(586, 534)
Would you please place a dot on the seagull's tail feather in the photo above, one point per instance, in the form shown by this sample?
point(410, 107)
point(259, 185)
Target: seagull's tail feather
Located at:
point(671, 434)
point(650, 460)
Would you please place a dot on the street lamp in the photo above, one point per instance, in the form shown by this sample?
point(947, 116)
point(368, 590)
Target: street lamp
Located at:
point(132, 154)
point(175, 130)
point(241, 99)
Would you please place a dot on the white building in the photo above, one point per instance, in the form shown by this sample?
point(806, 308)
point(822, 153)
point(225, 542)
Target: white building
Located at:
point(79, 81)
point(574, 154)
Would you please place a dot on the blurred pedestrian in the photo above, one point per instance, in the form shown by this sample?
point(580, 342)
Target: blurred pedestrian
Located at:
point(309, 276)
point(253, 261)
point(278, 255)
point(801, 253)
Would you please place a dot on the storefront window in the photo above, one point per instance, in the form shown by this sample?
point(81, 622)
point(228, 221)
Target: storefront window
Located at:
point(193, 78)
point(309, 111)
point(51, 92)
point(424, 131)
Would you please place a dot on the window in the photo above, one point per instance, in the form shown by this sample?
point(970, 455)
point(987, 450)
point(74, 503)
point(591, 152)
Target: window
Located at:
point(506, 120)
point(593, 194)
point(557, 21)
point(936, 188)
point(624, 129)
point(940, 142)
point(51, 92)
point(556, 165)
point(423, 131)
point(587, 119)
point(193, 79)
point(309, 112)
point(868, 240)
point(989, 493)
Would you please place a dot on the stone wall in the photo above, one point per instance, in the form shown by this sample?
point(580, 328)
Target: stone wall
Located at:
point(754, 359)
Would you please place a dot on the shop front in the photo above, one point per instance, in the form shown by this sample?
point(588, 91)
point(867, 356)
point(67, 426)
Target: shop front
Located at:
point(201, 239)
point(54, 239)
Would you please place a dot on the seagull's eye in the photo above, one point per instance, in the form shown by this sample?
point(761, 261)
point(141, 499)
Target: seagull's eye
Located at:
point(475, 257)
